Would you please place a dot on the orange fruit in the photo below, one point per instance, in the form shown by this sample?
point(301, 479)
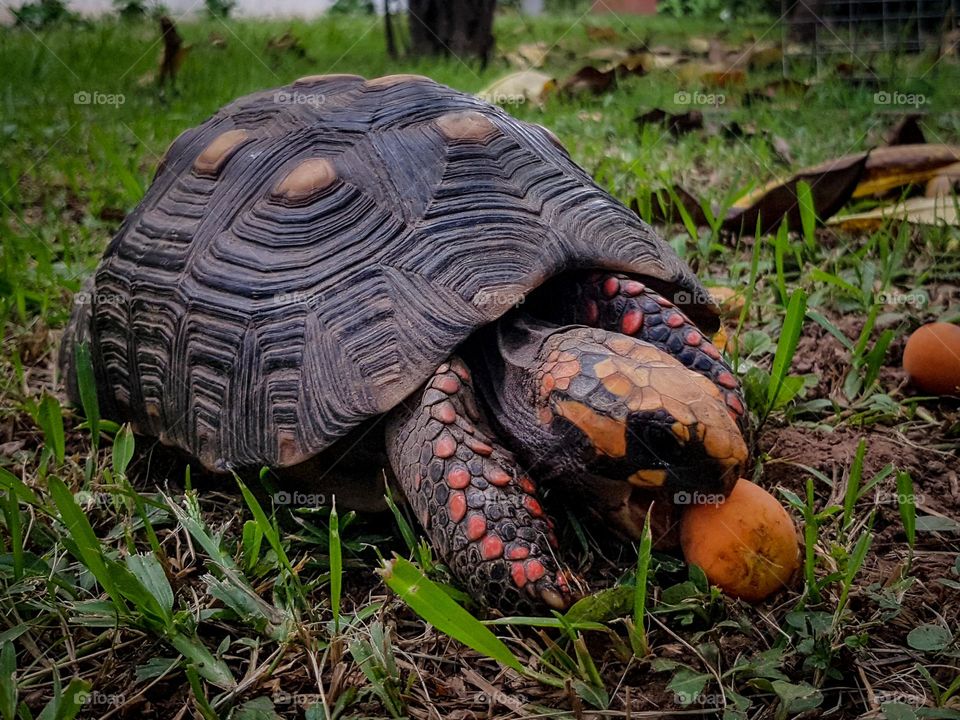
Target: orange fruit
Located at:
point(747, 544)
point(932, 358)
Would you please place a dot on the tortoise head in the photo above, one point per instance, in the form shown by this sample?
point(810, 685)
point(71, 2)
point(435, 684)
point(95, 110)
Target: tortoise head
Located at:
point(605, 410)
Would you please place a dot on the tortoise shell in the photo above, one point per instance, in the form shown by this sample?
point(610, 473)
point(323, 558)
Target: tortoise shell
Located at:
point(306, 257)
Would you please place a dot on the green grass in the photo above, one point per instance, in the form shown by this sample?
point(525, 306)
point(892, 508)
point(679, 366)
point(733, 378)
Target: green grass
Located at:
point(124, 586)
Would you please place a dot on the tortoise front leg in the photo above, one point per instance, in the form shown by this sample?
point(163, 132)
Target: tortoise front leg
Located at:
point(619, 303)
point(477, 506)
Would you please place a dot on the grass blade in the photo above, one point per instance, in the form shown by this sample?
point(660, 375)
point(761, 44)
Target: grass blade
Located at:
point(87, 385)
point(336, 566)
point(787, 344)
point(431, 603)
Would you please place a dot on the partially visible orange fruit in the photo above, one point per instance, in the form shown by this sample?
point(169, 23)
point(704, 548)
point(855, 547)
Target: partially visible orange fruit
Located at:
point(747, 544)
point(932, 358)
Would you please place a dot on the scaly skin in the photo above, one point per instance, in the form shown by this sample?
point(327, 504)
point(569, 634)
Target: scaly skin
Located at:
point(617, 302)
point(478, 508)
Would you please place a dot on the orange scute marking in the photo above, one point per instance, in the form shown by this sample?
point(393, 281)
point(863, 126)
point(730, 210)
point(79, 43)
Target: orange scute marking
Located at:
point(607, 435)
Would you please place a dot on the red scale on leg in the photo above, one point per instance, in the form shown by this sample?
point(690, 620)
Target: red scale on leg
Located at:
point(446, 383)
point(476, 527)
point(461, 370)
point(458, 477)
point(532, 506)
point(444, 412)
point(519, 574)
point(727, 380)
point(526, 484)
point(734, 403)
point(675, 320)
point(517, 552)
point(632, 321)
point(632, 288)
point(491, 547)
point(611, 286)
point(534, 570)
point(496, 475)
point(711, 350)
point(480, 448)
point(444, 446)
point(693, 338)
point(457, 506)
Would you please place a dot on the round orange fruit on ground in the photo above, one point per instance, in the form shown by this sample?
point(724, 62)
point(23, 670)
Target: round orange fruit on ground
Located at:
point(932, 358)
point(747, 544)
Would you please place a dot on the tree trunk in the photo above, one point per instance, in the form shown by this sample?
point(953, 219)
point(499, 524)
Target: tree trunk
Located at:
point(458, 28)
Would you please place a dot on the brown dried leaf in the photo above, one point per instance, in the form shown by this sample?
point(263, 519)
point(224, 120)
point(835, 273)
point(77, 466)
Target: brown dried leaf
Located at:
point(889, 168)
point(916, 211)
point(677, 124)
point(831, 184)
point(589, 79)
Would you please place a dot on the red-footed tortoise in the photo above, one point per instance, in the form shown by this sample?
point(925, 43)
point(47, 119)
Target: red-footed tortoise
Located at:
point(341, 249)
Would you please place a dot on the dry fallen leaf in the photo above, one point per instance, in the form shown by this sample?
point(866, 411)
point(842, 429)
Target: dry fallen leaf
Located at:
point(916, 211)
point(601, 34)
point(589, 79)
point(890, 168)
point(946, 182)
point(831, 185)
point(529, 55)
point(519, 87)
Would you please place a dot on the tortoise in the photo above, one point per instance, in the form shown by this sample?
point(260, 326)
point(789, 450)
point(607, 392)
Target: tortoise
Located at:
point(400, 264)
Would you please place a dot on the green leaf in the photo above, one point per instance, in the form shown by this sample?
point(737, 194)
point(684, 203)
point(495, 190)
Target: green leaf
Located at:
point(601, 606)
point(66, 704)
point(210, 668)
point(808, 214)
point(436, 607)
point(687, 685)
point(123, 444)
point(936, 523)
point(897, 711)
point(148, 570)
point(929, 638)
point(797, 697)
